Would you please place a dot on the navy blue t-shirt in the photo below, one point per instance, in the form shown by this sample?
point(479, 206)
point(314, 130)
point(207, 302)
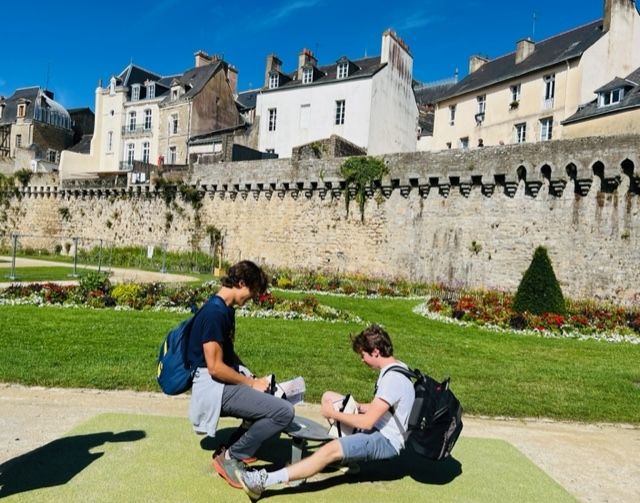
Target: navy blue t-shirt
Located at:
point(215, 322)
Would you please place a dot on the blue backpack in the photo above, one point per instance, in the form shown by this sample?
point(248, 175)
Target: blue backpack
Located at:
point(175, 372)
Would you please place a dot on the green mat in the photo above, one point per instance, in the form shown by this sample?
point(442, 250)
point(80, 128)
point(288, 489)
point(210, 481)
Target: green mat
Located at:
point(158, 459)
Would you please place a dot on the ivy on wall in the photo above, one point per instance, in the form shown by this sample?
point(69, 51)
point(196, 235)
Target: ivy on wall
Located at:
point(361, 173)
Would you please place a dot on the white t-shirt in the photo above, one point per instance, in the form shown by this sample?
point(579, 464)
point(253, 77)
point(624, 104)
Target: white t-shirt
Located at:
point(397, 390)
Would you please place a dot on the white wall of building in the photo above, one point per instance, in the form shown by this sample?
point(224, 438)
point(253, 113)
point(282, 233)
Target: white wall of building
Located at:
point(308, 113)
point(394, 112)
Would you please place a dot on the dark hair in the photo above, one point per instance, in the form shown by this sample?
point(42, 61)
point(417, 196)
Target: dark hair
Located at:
point(373, 337)
point(249, 273)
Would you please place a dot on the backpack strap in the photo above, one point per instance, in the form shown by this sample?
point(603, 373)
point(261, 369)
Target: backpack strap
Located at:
point(409, 375)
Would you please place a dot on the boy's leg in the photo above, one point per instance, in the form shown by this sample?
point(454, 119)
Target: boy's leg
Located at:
point(309, 466)
point(270, 416)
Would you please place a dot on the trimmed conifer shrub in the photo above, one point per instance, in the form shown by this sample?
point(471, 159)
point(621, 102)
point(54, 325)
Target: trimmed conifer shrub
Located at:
point(539, 291)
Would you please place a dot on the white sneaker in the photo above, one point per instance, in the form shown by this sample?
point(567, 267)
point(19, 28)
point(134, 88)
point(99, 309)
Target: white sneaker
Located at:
point(253, 482)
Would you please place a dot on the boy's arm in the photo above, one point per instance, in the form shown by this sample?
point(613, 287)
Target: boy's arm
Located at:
point(374, 411)
point(217, 368)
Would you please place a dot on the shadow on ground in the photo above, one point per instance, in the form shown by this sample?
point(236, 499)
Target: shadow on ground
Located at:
point(277, 453)
point(57, 462)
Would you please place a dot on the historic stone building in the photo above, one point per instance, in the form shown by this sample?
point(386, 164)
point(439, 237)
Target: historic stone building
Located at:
point(144, 119)
point(368, 101)
point(526, 95)
point(34, 129)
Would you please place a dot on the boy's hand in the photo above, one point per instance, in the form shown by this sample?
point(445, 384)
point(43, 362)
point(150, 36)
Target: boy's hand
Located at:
point(327, 409)
point(261, 384)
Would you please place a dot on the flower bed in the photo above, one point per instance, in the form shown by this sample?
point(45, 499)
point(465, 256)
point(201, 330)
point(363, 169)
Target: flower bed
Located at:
point(584, 320)
point(98, 293)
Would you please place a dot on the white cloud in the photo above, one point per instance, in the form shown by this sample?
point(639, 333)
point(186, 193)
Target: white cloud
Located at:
point(284, 11)
point(415, 21)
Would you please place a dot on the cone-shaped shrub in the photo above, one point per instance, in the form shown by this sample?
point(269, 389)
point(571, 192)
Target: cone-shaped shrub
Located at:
point(539, 291)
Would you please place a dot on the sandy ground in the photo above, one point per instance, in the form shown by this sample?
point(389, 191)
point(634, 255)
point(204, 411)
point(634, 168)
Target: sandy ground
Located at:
point(594, 462)
point(118, 275)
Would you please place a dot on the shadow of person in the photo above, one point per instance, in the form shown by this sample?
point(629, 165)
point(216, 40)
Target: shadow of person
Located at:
point(57, 462)
point(408, 463)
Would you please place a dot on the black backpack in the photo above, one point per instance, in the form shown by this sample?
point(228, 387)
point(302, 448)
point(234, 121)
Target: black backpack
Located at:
point(435, 422)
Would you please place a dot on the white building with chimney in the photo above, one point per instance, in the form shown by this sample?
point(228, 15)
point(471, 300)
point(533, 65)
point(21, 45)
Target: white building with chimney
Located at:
point(368, 101)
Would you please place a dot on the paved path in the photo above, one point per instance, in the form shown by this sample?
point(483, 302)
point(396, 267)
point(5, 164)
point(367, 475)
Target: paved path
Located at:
point(118, 274)
point(597, 463)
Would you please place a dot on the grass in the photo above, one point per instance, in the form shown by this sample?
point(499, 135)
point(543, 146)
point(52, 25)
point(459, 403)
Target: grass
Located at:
point(52, 273)
point(493, 374)
point(148, 458)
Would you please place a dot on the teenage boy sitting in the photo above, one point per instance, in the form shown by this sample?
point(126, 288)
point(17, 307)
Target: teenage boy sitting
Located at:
point(383, 421)
point(219, 389)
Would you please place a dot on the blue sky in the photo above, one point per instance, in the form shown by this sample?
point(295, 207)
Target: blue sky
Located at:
point(72, 44)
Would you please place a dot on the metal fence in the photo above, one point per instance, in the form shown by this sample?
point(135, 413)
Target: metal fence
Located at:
point(80, 252)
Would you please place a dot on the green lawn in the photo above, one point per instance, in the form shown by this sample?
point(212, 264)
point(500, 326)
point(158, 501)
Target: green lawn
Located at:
point(493, 374)
point(51, 273)
point(149, 458)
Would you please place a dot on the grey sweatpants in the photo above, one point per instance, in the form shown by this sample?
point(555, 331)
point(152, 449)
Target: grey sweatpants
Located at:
point(270, 415)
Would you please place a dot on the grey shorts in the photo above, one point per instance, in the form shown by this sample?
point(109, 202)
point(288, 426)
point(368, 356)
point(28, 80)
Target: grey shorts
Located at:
point(366, 447)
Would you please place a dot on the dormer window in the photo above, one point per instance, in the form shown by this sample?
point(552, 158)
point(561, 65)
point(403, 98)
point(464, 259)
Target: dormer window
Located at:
point(307, 75)
point(2, 105)
point(274, 80)
point(343, 70)
point(151, 91)
point(174, 94)
point(135, 92)
point(610, 97)
point(22, 110)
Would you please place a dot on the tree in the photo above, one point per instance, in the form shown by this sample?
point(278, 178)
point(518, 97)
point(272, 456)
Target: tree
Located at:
point(539, 291)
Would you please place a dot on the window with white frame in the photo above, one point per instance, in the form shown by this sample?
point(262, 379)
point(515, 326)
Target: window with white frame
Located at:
point(452, 115)
point(173, 155)
point(174, 94)
point(482, 103)
point(173, 124)
point(151, 91)
point(145, 152)
point(515, 93)
point(464, 142)
point(520, 131)
point(340, 111)
point(546, 129)
point(2, 105)
point(132, 121)
point(273, 115)
point(343, 70)
point(147, 118)
point(109, 141)
point(549, 90)
point(305, 112)
point(307, 75)
point(18, 140)
point(131, 153)
point(610, 97)
point(135, 92)
point(274, 80)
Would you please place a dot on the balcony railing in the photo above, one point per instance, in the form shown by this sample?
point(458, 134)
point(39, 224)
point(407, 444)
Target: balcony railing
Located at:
point(547, 104)
point(137, 130)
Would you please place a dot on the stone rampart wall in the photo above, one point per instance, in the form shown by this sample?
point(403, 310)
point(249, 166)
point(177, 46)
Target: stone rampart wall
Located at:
point(462, 218)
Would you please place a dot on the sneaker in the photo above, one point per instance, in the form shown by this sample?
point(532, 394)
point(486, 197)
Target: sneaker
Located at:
point(228, 469)
point(253, 482)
